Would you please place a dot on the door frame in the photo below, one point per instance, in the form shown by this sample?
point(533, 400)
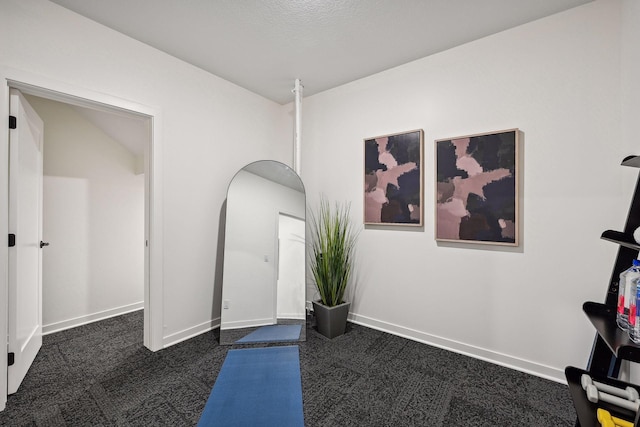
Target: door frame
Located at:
point(282, 213)
point(44, 87)
point(26, 155)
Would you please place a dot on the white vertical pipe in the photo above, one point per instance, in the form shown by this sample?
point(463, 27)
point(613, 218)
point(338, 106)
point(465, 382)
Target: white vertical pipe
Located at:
point(298, 126)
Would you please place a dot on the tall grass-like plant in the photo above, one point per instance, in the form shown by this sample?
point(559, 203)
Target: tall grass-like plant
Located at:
point(332, 250)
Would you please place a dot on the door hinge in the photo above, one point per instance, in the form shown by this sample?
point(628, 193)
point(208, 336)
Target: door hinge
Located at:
point(12, 240)
point(13, 122)
point(11, 359)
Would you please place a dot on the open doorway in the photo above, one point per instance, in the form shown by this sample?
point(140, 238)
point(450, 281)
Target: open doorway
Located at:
point(93, 213)
point(291, 268)
point(36, 85)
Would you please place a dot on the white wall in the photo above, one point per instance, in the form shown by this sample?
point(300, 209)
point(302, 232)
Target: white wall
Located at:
point(208, 127)
point(93, 219)
point(253, 207)
point(558, 80)
point(630, 30)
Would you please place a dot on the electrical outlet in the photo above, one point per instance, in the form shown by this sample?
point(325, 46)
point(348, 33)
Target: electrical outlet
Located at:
point(225, 304)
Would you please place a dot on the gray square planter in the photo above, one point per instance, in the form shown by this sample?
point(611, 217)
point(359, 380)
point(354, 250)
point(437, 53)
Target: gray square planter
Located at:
point(331, 321)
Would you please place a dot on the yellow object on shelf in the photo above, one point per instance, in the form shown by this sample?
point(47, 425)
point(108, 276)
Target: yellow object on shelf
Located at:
point(607, 420)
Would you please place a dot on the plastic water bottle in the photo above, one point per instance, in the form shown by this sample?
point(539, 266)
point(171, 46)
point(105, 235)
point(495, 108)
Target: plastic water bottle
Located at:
point(625, 295)
point(634, 313)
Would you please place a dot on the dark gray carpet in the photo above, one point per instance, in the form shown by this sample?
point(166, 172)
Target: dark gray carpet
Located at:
point(101, 375)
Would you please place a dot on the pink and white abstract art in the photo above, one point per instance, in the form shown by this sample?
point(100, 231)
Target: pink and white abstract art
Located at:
point(477, 188)
point(393, 179)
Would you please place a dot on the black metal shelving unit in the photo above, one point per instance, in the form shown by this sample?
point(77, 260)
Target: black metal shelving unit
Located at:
point(611, 345)
point(586, 410)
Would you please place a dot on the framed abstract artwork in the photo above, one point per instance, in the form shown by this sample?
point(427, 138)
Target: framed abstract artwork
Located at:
point(477, 188)
point(393, 178)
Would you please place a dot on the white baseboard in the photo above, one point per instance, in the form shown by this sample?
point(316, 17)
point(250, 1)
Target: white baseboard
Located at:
point(184, 335)
point(249, 323)
point(543, 371)
point(90, 318)
point(292, 316)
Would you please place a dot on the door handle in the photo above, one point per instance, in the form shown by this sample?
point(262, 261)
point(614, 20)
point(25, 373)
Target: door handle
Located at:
point(43, 244)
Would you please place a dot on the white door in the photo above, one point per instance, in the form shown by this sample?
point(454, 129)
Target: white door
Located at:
point(291, 268)
point(25, 222)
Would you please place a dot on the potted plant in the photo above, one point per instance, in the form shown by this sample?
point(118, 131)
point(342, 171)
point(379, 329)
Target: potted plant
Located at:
point(333, 242)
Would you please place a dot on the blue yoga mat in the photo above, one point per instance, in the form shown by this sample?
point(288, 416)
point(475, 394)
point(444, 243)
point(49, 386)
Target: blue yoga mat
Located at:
point(257, 387)
point(273, 333)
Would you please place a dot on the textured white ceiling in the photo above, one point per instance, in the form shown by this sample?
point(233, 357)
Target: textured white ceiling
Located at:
point(276, 172)
point(264, 45)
